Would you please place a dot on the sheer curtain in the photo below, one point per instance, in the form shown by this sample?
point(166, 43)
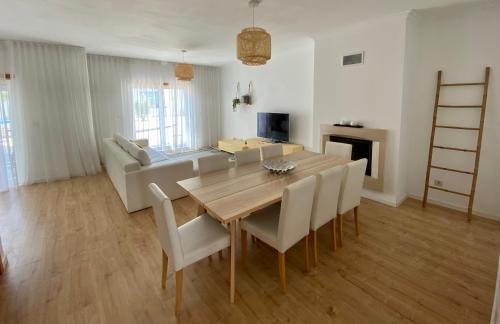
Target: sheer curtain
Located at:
point(51, 113)
point(142, 99)
point(109, 79)
point(206, 87)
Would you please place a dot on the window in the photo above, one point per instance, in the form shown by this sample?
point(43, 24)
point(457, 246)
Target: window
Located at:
point(148, 115)
point(163, 116)
point(8, 176)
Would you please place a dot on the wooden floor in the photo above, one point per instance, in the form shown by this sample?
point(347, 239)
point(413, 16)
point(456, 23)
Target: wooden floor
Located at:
point(76, 256)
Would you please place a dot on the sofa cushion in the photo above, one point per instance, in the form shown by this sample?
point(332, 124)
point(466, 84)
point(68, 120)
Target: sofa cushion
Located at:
point(122, 141)
point(115, 155)
point(154, 155)
point(138, 153)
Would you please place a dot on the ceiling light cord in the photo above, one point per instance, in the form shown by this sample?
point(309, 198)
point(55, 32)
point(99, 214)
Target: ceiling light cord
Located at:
point(252, 4)
point(253, 17)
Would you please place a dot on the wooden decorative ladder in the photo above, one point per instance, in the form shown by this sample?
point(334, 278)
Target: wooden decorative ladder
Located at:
point(477, 151)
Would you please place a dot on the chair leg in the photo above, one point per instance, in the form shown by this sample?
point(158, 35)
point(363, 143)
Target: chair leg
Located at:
point(220, 255)
point(243, 245)
point(341, 234)
point(254, 240)
point(333, 231)
point(356, 224)
point(178, 292)
point(164, 258)
point(315, 247)
point(306, 253)
point(281, 264)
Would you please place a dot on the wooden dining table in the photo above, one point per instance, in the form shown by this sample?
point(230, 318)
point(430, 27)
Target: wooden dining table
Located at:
point(232, 194)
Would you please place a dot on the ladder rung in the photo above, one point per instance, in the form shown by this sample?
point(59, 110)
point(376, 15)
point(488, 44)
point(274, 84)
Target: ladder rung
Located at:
point(454, 149)
point(452, 170)
point(458, 106)
point(457, 127)
point(461, 84)
point(450, 191)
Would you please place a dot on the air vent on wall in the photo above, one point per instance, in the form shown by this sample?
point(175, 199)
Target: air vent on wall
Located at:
point(353, 59)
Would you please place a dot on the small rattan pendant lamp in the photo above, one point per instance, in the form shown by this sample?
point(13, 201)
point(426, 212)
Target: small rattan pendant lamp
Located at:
point(253, 43)
point(184, 71)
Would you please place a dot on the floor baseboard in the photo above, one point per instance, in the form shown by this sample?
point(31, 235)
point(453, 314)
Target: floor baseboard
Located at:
point(455, 207)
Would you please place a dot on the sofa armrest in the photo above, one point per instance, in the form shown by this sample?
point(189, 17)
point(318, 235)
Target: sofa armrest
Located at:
point(164, 175)
point(143, 142)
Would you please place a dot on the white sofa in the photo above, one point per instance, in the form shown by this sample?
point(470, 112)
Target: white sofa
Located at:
point(131, 179)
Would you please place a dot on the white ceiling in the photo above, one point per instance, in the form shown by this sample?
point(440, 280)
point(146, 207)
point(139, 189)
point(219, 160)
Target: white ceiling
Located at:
point(158, 29)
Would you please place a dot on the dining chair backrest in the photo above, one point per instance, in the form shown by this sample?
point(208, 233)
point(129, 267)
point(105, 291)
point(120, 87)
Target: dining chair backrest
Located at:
point(247, 156)
point(352, 184)
point(326, 197)
point(167, 228)
point(337, 149)
point(213, 163)
point(271, 151)
point(295, 213)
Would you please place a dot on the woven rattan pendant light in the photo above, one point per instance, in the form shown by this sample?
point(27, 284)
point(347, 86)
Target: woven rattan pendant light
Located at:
point(184, 71)
point(254, 43)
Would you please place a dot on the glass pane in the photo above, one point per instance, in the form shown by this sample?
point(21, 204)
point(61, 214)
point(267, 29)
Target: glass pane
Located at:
point(6, 136)
point(147, 115)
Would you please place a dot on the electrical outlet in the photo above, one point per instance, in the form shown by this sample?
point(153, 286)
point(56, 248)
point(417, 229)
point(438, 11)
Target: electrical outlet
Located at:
point(438, 183)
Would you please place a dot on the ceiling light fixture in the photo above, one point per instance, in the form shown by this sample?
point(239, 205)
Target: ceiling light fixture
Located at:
point(253, 43)
point(184, 71)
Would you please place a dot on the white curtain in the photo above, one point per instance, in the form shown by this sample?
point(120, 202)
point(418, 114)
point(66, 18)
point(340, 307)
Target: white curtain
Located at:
point(206, 87)
point(142, 99)
point(52, 118)
point(112, 108)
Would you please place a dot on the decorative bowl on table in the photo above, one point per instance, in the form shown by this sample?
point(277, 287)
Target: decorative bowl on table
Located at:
point(279, 166)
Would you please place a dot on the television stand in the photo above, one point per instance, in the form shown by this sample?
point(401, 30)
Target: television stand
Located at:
point(233, 145)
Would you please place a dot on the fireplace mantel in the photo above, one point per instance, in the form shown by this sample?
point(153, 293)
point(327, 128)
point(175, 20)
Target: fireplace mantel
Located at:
point(371, 134)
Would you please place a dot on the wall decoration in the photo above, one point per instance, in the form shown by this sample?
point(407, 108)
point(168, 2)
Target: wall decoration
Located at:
point(236, 100)
point(247, 98)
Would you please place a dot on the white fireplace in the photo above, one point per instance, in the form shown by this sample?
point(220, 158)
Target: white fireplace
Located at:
point(367, 143)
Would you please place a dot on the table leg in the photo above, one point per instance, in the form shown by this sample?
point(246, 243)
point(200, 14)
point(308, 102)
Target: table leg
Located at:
point(201, 210)
point(233, 261)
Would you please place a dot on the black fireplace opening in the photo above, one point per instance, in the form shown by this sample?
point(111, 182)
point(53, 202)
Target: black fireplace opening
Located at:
point(361, 149)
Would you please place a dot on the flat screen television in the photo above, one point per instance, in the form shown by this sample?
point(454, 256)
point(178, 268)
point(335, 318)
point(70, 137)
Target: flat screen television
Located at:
point(273, 126)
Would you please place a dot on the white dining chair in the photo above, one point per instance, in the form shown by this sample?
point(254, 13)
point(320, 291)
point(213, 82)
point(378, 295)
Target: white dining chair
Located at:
point(283, 225)
point(187, 244)
point(213, 163)
point(271, 151)
point(350, 193)
point(325, 204)
point(208, 164)
point(337, 149)
point(247, 156)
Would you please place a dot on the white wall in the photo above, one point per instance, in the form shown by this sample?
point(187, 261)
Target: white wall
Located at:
point(284, 84)
point(370, 93)
point(461, 41)
point(3, 59)
point(409, 96)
